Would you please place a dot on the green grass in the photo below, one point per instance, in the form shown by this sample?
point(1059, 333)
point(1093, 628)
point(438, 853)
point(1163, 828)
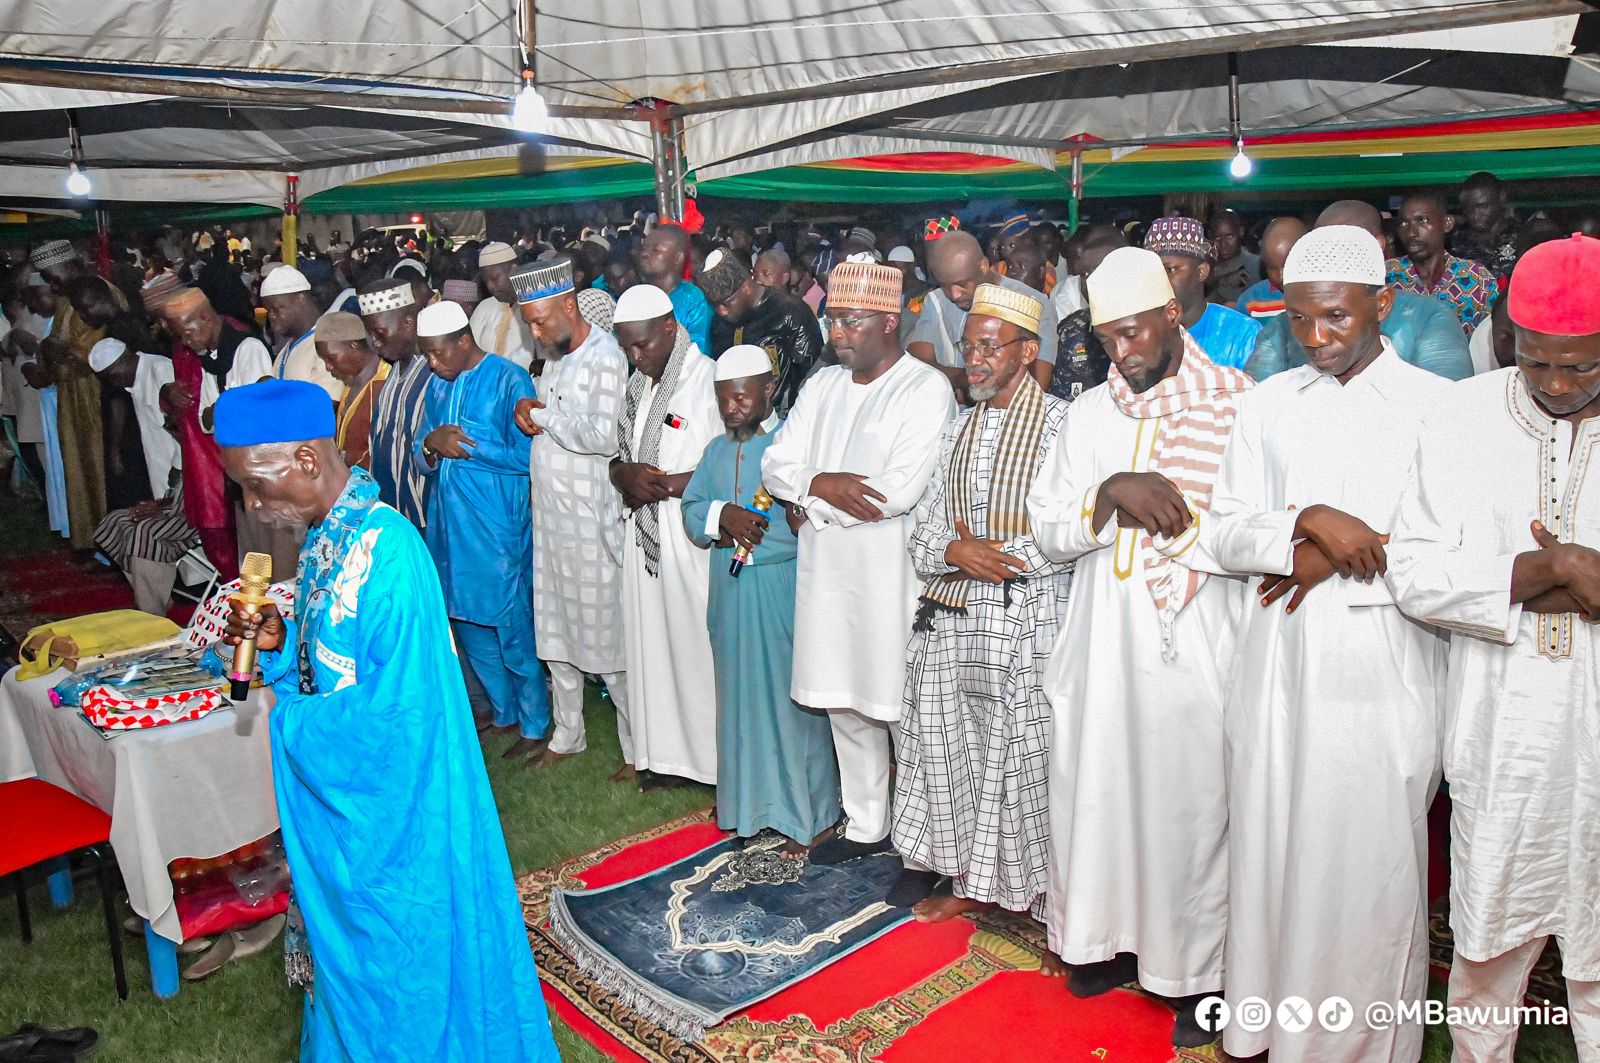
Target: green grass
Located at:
point(246, 1013)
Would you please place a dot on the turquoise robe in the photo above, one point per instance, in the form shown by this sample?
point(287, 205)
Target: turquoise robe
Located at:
point(395, 848)
point(775, 763)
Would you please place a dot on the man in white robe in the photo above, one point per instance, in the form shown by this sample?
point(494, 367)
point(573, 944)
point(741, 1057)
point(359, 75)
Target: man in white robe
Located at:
point(1497, 541)
point(859, 447)
point(577, 521)
point(1332, 717)
point(497, 325)
point(1138, 801)
point(669, 414)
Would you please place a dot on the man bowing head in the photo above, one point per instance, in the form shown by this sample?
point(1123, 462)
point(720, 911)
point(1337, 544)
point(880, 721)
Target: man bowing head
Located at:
point(400, 870)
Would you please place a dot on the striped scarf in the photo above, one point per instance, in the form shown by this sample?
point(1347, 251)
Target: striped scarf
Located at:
point(1196, 408)
point(646, 524)
point(1015, 461)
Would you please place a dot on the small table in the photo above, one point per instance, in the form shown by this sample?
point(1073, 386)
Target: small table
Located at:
point(197, 789)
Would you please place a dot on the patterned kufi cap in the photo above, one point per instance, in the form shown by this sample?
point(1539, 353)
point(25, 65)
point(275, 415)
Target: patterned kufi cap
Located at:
point(993, 300)
point(543, 280)
point(937, 227)
point(52, 253)
point(395, 295)
point(1340, 253)
point(460, 291)
point(865, 286)
point(1173, 235)
point(721, 277)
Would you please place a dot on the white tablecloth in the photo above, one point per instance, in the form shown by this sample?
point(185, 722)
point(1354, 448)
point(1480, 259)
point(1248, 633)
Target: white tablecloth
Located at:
point(196, 789)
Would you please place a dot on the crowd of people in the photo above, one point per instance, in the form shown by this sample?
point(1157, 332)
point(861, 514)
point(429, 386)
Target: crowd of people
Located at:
point(1131, 577)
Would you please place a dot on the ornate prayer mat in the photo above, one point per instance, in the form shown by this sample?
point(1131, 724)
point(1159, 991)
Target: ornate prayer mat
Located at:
point(966, 989)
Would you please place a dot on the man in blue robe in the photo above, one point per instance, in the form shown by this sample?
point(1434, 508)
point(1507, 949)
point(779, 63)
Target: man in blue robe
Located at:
point(405, 926)
point(479, 524)
point(775, 760)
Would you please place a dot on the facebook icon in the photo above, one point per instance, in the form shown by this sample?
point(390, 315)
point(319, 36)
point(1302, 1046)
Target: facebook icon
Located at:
point(1212, 1014)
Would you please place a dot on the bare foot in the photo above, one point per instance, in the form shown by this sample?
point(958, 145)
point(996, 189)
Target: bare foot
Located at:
point(525, 747)
point(793, 850)
point(507, 729)
point(624, 774)
point(546, 758)
point(1052, 966)
point(939, 908)
point(484, 723)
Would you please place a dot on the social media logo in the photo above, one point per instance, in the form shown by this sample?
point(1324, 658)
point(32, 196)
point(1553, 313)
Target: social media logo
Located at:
point(1294, 1014)
point(1252, 1015)
point(1335, 1014)
point(1212, 1014)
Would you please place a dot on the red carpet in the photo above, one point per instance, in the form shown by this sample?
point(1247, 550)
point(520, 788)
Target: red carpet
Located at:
point(40, 587)
point(964, 990)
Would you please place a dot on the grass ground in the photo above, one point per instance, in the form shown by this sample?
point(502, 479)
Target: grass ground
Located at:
point(246, 1013)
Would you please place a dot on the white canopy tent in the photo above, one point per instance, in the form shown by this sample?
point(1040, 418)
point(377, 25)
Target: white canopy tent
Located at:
point(192, 93)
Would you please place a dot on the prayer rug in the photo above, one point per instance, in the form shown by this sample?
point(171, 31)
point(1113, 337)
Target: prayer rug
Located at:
point(966, 989)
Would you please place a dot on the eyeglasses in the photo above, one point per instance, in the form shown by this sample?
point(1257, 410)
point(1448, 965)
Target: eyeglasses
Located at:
point(985, 349)
point(855, 321)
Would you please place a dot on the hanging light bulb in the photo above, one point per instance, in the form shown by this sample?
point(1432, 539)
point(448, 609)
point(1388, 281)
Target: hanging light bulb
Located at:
point(78, 182)
point(529, 113)
point(1240, 166)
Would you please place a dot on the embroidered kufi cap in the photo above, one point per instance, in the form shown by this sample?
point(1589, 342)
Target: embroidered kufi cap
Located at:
point(865, 286)
point(394, 295)
point(460, 291)
point(1173, 235)
point(1341, 253)
point(993, 300)
point(543, 279)
point(721, 277)
point(52, 253)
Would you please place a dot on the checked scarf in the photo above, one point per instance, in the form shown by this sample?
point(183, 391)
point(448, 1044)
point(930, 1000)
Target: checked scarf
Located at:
point(1197, 407)
point(647, 522)
point(1015, 460)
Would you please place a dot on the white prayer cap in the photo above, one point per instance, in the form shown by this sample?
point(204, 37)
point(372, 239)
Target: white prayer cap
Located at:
point(395, 295)
point(411, 264)
point(102, 354)
point(901, 253)
point(495, 253)
point(642, 302)
point(284, 280)
point(1130, 281)
point(742, 360)
point(601, 241)
point(1339, 253)
point(443, 318)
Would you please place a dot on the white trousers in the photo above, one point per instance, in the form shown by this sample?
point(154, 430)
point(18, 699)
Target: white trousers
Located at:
point(566, 708)
point(152, 583)
point(1502, 983)
point(865, 748)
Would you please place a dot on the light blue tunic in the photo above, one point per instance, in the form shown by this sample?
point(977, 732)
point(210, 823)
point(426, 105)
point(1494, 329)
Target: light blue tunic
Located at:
point(479, 524)
point(395, 848)
point(775, 763)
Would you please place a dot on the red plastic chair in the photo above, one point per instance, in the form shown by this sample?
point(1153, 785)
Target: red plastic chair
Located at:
point(40, 822)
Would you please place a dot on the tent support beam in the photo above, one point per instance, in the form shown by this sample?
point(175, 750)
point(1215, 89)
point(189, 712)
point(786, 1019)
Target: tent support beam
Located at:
point(1480, 14)
point(199, 90)
point(666, 156)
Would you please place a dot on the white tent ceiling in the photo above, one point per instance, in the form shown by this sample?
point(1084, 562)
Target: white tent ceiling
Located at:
point(380, 84)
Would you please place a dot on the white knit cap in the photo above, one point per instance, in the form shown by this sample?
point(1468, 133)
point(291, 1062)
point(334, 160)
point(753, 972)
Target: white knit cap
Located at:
point(102, 354)
point(642, 302)
point(443, 318)
point(284, 280)
point(742, 360)
point(495, 253)
point(901, 253)
point(1344, 254)
point(1130, 281)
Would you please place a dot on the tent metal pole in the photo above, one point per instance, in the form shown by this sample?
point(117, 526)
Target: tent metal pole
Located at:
point(1076, 203)
point(291, 219)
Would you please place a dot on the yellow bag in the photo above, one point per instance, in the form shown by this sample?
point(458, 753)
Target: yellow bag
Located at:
point(66, 642)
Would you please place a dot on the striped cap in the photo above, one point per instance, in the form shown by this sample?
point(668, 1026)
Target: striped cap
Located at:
point(993, 300)
point(543, 280)
point(865, 286)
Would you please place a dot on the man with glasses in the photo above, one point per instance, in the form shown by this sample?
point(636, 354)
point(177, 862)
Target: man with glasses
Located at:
point(851, 461)
point(959, 266)
point(970, 797)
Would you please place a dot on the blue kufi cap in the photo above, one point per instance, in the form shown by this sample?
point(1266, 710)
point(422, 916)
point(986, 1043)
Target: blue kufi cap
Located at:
point(273, 411)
